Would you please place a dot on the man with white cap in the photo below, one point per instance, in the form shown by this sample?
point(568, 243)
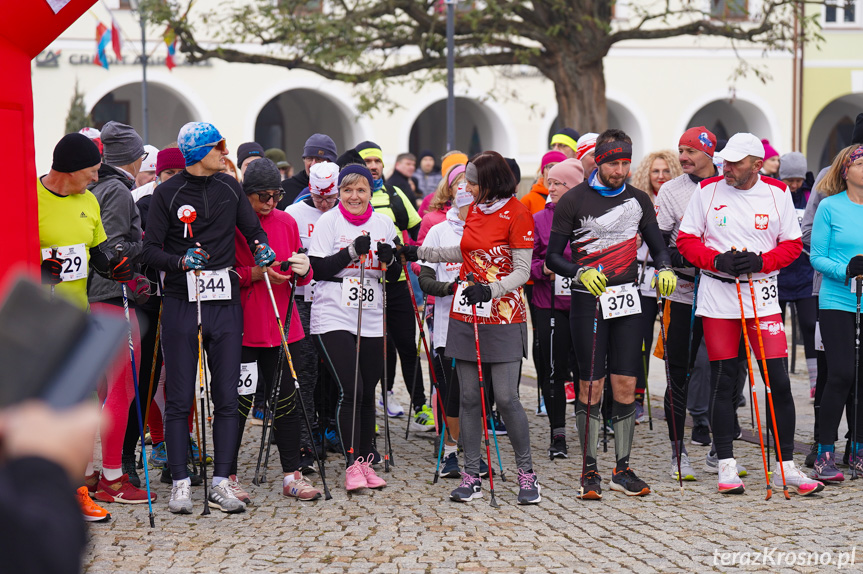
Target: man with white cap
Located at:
point(190, 227)
point(323, 196)
point(744, 224)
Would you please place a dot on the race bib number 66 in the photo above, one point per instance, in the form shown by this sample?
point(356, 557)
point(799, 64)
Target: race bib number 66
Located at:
point(248, 383)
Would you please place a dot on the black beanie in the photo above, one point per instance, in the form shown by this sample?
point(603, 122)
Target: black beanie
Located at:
point(261, 175)
point(349, 157)
point(247, 150)
point(857, 134)
point(516, 171)
point(75, 152)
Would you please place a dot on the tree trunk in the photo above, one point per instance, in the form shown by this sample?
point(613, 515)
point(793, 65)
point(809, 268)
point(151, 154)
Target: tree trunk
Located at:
point(580, 93)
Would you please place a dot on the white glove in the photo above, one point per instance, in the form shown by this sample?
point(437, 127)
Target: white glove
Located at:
point(299, 264)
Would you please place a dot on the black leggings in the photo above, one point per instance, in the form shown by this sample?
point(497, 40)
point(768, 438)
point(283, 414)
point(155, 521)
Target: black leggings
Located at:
point(681, 359)
point(552, 390)
point(148, 319)
point(339, 351)
point(401, 342)
point(838, 334)
point(617, 340)
point(447, 378)
point(723, 404)
point(286, 427)
point(807, 313)
point(649, 308)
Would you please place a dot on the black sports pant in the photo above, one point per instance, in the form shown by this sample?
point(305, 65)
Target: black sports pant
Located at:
point(681, 351)
point(552, 390)
point(838, 334)
point(402, 339)
point(148, 319)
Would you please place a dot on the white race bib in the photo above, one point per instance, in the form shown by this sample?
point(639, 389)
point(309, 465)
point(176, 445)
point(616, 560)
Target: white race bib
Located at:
point(351, 293)
point(248, 383)
point(562, 285)
point(460, 304)
point(620, 301)
point(212, 285)
point(309, 292)
point(644, 286)
point(74, 260)
point(819, 344)
point(766, 291)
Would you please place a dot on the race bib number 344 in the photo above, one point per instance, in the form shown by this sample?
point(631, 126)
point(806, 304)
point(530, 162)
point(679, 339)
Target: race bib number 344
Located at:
point(212, 285)
point(620, 301)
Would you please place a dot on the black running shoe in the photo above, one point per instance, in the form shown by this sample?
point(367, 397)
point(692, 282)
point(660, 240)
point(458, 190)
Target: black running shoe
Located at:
point(130, 467)
point(558, 447)
point(469, 489)
point(592, 486)
point(626, 482)
point(810, 458)
point(451, 468)
point(166, 477)
point(307, 461)
point(483, 468)
point(701, 435)
point(528, 488)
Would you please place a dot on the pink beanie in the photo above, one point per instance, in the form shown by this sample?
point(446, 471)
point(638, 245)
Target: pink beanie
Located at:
point(552, 156)
point(569, 172)
point(769, 151)
point(169, 158)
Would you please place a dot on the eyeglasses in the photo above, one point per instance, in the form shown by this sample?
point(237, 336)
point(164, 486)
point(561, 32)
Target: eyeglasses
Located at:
point(321, 199)
point(265, 197)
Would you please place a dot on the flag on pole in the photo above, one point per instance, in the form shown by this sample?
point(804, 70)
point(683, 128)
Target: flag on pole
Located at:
point(170, 38)
point(103, 38)
point(115, 38)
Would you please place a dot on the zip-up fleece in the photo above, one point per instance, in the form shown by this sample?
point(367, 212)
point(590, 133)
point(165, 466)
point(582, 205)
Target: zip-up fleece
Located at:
point(220, 206)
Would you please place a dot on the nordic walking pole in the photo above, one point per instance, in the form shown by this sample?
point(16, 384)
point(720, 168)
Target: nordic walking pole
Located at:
point(664, 335)
point(644, 350)
point(202, 390)
point(496, 446)
point(151, 390)
point(54, 249)
point(589, 400)
point(858, 291)
point(327, 495)
point(493, 502)
point(119, 250)
point(552, 372)
point(752, 386)
point(443, 429)
point(767, 384)
point(420, 322)
point(388, 448)
point(350, 451)
point(419, 348)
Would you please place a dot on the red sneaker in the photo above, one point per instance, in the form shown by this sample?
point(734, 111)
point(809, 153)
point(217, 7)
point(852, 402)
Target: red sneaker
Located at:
point(92, 482)
point(120, 490)
point(569, 389)
point(91, 511)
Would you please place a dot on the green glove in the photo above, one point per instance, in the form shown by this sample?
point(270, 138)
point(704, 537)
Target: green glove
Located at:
point(594, 280)
point(666, 280)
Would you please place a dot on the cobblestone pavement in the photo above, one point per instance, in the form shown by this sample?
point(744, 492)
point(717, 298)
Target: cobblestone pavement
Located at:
point(410, 526)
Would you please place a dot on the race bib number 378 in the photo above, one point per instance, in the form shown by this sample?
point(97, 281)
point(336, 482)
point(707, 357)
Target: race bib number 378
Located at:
point(620, 301)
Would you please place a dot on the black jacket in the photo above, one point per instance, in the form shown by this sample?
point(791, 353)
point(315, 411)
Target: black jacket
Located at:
point(293, 187)
point(220, 206)
point(399, 180)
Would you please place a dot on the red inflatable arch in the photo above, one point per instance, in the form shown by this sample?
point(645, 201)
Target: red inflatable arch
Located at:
point(27, 27)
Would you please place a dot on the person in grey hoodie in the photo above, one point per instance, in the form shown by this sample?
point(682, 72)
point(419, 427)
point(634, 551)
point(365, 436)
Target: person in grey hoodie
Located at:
point(123, 151)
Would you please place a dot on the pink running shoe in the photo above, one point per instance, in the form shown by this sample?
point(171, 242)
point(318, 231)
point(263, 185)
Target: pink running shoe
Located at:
point(355, 477)
point(372, 479)
point(729, 482)
point(297, 486)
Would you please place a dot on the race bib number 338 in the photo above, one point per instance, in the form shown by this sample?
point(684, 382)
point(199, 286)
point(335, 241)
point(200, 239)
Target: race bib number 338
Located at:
point(351, 293)
point(620, 301)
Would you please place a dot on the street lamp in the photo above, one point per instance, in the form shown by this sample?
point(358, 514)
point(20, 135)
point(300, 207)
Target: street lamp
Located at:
point(136, 5)
point(450, 74)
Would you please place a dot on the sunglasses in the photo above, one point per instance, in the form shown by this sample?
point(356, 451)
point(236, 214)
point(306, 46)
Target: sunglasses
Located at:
point(219, 145)
point(264, 197)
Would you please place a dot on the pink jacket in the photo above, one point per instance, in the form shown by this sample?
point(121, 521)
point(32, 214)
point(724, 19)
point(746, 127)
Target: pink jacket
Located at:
point(259, 325)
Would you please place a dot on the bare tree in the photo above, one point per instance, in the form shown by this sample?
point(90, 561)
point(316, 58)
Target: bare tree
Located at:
point(378, 42)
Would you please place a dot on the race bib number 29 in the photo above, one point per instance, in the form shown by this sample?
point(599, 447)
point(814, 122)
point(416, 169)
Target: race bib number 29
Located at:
point(212, 285)
point(620, 301)
point(74, 260)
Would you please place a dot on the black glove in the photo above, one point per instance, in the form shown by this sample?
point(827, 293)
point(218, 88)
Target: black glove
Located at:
point(477, 293)
point(51, 269)
point(452, 288)
point(362, 244)
point(409, 252)
point(678, 260)
point(121, 268)
point(746, 262)
point(724, 262)
point(385, 253)
point(855, 266)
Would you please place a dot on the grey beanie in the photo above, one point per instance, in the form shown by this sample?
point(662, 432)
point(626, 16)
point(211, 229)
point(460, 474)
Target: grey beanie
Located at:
point(261, 175)
point(792, 164)
point(321, 145)
point(122, 144)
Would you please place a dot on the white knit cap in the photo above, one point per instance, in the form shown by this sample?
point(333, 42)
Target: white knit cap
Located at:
point(323, 178)
point(463, 196)
point(149, 163)
point(586, 144)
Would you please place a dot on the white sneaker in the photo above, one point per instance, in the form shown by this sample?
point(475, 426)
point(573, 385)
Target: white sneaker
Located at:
point(797, 482)
point(222, 497)
point(394, 408)
point(685, 468)
point(181, 498)
point(729, 482)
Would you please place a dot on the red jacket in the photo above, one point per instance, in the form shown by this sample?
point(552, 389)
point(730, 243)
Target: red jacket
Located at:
point(259, 325)
point(535, 199)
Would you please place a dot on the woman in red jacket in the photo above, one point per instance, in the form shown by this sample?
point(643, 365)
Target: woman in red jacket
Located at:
point(261, 339)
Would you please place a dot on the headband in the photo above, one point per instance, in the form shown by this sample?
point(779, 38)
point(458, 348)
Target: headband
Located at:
point(565, 140)
point(371, 152)
point(613, 151)
point(471, 174)
point(356, 168)
point(456, 171)
point(855, 155)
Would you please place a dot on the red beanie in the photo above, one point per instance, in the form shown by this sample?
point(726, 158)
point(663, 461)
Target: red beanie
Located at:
point(169, 158)
point(699, 138)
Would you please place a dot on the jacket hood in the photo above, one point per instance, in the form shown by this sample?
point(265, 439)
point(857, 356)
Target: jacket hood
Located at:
point(107, 173)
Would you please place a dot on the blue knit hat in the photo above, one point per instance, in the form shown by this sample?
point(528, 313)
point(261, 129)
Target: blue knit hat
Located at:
point(196, 139)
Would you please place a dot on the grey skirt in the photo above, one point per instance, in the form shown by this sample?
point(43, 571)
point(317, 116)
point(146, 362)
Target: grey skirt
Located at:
point(497, 343)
